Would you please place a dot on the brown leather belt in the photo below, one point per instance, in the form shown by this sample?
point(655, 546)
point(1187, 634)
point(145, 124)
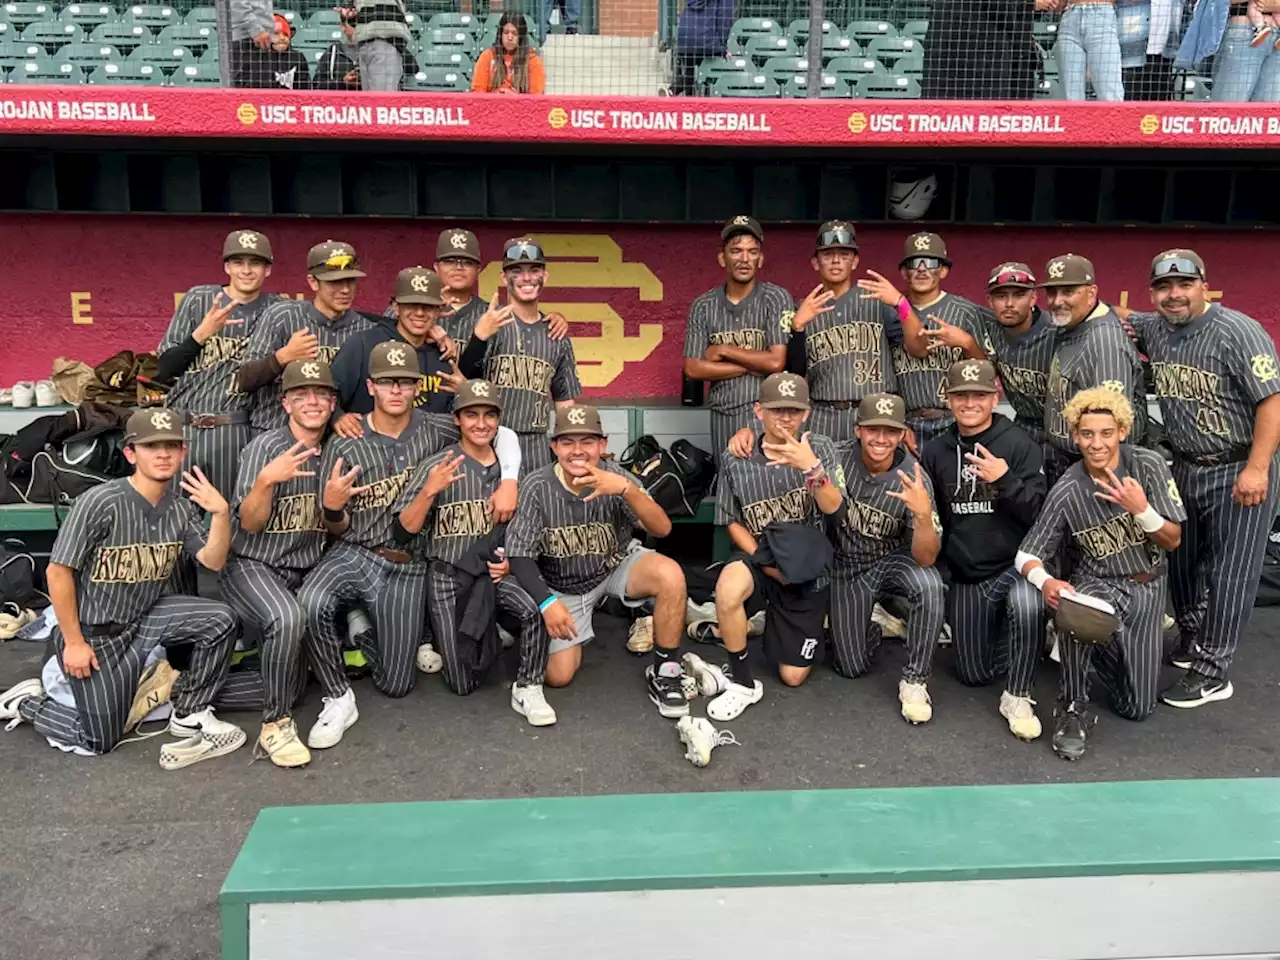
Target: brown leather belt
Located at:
point(1238, 455)
point(1144, 577)
point(835, 404)
point(206, 421)
point(392, 555)
point(928, 413)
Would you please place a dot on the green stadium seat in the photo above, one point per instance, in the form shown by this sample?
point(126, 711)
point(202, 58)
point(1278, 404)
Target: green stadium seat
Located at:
point(45, 70)
point(195, 37)
point(14, 53)
point(88, 14)
point(877, 87)
point(127, 75)
point(210, 54)
point(892, 49)
point(747, 27)
point(165, 57)
point(1049, 89)
point(745, 85)
point(22, 13)
point(915, 29)
point(798, 30)
point(838, 45)
point(797, 87)
point(87, 54)
point(52, 34)
point(123, 36)
point(852, 69)
point(438, 80)
point(446, 58)
point(864, 31)
point(317, 38)
point(459, 41)
point(760, 49)
point(459, 21)
point(711, 69)
point(152, 16)
point(196, 75)
point(324, 18)
point(1194, 88)
point(1050, 67)
point(205, 16)
point(416, 23)
point(7, 32)
point(1045, 32)
point(779, 68)
point(911, 66)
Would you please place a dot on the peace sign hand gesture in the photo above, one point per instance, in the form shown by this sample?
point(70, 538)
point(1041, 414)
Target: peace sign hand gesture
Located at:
point(603, 483)
point(880, 289)
point(988, 466)
point(915, 495)
point(944, 335)
point(791, 452)
point(494, 319)
point(444, 474)
point(820, 300)
point(217, 318)
point(1126, 494)
point(341, 487)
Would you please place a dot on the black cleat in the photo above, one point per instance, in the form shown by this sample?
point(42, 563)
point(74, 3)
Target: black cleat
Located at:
point(667, 691)
point(1183, 655)
point(1195, 690)
point(1072, 730)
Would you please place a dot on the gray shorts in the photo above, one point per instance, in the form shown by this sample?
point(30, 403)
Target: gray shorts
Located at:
point(583, 605)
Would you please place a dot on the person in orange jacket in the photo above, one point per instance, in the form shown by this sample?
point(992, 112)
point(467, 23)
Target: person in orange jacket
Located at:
point(511, 65)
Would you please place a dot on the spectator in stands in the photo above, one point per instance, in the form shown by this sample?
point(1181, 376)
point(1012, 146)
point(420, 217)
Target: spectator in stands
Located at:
point(1149, 32)
point(570, 12)
point(1241, 71)
point(251, 30)
point(703, 32)
point(285, 67)
point(337, 69)
point(1088, 48)
point(381, 36)
point(511, 65)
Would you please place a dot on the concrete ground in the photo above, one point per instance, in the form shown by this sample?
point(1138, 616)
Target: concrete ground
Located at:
point(114, 858)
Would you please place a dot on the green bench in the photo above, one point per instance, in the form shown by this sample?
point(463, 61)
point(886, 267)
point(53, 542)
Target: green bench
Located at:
point(19, 518)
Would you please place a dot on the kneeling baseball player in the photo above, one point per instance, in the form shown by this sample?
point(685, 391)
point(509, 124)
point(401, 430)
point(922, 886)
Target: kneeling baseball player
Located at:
point(1123, 511)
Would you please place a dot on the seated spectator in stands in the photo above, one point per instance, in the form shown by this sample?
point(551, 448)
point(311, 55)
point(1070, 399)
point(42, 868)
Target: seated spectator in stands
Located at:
point(285, 66)
point(1149, 31)
point(1089, 48)
point(703, 32)
point(337, 69)
point(982, 54)
point(1241, 70)
point(382, 37)
point(251, 29)
point(510, 65)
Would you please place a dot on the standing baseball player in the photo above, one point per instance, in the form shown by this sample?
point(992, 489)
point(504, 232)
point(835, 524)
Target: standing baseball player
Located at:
point(737, 333)
point(1121, 508)
point(887, 540)
point(1022, 338)
point(279, 536)
point(513, 347)
point(449, 501)
point(457, 264)
point(300, 330)
point(842, 333)
point(107, 573)
point(782, 480)
point(1092, 350)
point(988, 478)
point(1219, 387)
point(571, 547)
point(202, 349)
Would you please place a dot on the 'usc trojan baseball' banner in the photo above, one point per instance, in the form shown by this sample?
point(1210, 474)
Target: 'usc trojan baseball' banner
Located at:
point(252, 114)
point(86, 286)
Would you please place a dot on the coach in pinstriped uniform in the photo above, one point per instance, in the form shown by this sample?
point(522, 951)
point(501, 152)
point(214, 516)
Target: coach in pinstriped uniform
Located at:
point(1121, 508)
point(1218, 382)
point(737, 332)
point(1021, 340)
point(107, 573)
point(279, 536)
point(201, 351)
point(1092, 350)
point(887, 539)
point(841, 334)
point(447, 506)
point(988, 476)
point(301, 330)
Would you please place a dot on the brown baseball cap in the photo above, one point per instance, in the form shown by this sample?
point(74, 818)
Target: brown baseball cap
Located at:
point(742, 224)
point(1012, 274)
point(1179, 262)
point(153, 425)
point(477, 393)
point(578, 420)
point(247, 243)
point(882, 410)
point(458, 244)
point(784, 391)
point(836, 235)
point(419, 285)
point(307, 373)
point(924, 244)
point(334, 260)
point(393, 358)
point(523, 250)
point(1068, 270)
point(972, 376)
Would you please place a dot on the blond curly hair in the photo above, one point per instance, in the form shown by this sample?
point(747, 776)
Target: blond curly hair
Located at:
point(1100, 400)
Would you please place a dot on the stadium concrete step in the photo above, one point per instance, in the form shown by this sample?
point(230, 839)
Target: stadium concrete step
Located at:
point(617, 66)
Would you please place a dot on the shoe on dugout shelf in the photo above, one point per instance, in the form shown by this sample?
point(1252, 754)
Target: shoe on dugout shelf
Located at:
point(47, 394)
point(24, 393)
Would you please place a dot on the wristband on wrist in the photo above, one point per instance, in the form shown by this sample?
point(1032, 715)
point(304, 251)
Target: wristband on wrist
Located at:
point(1149, 520)
point(1038, 578)
point(542, 607)
point(904, 308)
point(335, 516)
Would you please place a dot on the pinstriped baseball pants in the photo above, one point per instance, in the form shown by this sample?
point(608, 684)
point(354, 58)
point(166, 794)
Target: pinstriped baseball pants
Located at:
point(216, 451)
point(395, 594)
point(997, 626)
point(926, 429)
point(266, 597)
point(1213, 575)
point(854, 594)
point(1129, 666)
point(103, 700)
point(461, 675)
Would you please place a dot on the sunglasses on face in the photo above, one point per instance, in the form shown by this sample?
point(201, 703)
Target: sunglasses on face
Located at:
point(1010, 278)
point(924, 263)
point(523, 251)
point(1176, 266)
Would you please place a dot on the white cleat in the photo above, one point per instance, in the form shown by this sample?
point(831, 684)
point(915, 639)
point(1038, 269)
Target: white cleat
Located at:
point(699, 611)
point(335, 719)
point(700, 738)
point(10, 699)
point(890, 626)
point(428, 660)
point(710, 679)
point(1020, 712)
point(916, 705)
point(531, 703)
point(730, 704)
point(640, 639)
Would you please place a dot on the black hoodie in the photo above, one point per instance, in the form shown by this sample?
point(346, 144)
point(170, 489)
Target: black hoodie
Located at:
point(984, 523)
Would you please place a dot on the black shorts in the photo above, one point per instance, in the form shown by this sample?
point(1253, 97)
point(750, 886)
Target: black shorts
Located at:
point(794, 618)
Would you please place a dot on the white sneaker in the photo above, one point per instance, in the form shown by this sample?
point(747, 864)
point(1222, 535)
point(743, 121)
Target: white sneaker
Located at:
point(1169, 623)
point(1023, 722)
point(504, 636)
point(10, 699)
point(700, 738)
point(6, 396)
point(755, 625)
point(730, 704)
point(280, 743)
point(202, 722)
point(24, 393)
point(699, 611)
point(531, 702)
point(428, 660)
point(47, 394)
point(640, 639)
point(890, 626)
point(206, 737)
point(335, 719)
point(711, 680)
point(916, 705)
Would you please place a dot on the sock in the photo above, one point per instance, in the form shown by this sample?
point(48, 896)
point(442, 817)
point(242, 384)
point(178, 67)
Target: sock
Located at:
point(740, 669)
point(666, 663)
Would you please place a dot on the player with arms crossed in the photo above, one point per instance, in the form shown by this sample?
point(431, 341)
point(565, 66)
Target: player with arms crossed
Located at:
point(1121, 508)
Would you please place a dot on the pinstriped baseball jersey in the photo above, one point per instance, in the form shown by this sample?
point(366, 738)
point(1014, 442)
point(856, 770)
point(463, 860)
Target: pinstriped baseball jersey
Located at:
point(387, 463)
point(849, 348)
point(461, 323)
point(461, 514)
point(1110, 541)
point(755, 494)
point(922, 380)
point(1023, 363)
point(123, 549)
point(577, 544)
point(294, 537)
point(760, 321)
point(1210, 376)
point(277, 324)
point(874, 523)
point(1096, 352)
point(207, 385)
point(531, 371)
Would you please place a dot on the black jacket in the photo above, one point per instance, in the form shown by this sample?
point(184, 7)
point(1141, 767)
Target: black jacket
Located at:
point(983, 523)
point(802, 553)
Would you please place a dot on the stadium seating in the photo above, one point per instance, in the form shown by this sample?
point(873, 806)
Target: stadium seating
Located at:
point(915, 29)
point(152, 16)
point(22, 13)
point(779, 68)
point(86, 55)
point(852, 69)
point(192, 36)
point(202, 16)
point(890, 50)
point(910, 66)
point(748, 27)
point(460, 21)
point(878, 87)
point(123, 36)
point(838, 45)
point(864, 31)
point(711, 70)
point(126, 75)
point(438, 80)
point(14, 53)
point(164, 57)
point(798, 30)
point(88, 14)
point(745, 85)
point(457, 41)
point(797, 86)
point(760, 48)
point(195, 75)
point(316, 38)
point(1195, 88)
point(324, 18)
point(44, 70)
point(446, 58)
point(1048, 89)
point(52, 34)
point(7, 32)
